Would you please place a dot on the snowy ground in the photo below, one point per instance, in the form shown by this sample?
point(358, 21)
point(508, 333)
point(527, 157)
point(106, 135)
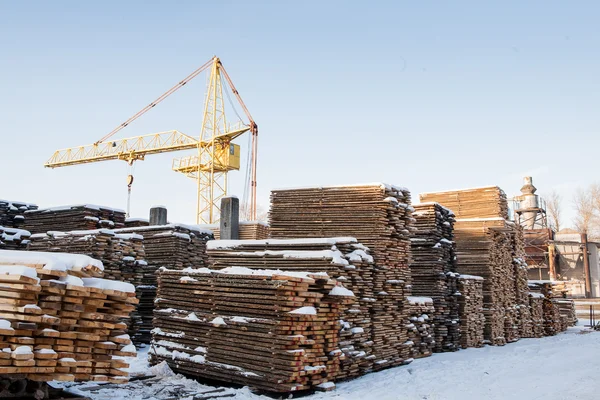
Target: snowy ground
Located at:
point(563, 367)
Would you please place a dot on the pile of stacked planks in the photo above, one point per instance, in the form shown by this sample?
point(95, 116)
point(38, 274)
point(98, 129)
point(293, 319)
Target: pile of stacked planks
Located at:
point(344, 259)
point(122, 256)
point(485, 246)
point(136, 222)
point(14, 238)
point(420, 327)
point(470, 302)
point(249, 230)
point(432, 266)
point(58, 321)
point(380, 217)
point(536, 301)
point(268, 329)
point(566, 308)
point(75, 217)
point(484, 202)
point(553, 323)
point(12, 213)
point(172, 246)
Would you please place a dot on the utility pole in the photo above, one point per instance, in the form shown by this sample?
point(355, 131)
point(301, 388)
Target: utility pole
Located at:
point(586, 266)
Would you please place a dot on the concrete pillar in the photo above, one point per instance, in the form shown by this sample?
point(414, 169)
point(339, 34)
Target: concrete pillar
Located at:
point(230, 218)
point(158, 215)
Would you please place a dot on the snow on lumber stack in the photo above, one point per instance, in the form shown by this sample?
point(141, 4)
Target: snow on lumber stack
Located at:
point(380, 217)
point(12, 213)
point(470, 303)
point(14, 238)
point(432, 268)
point(73, 217)
point(344, 259)
point(568, 313)
point(122, 256)
point(420, 326)
point(174, 246)
point(484, 202)
point(249, 230)
point(268, 329)
point(58, 321)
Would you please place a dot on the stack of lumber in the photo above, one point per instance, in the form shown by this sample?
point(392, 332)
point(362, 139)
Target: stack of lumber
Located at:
point(484, 202)
point(566, 308)
point(536, 301)
point(485, 246)
point(122, 256)
point(420, 326)
point(344, 259)
point(12, 213)
point(432, 266)
point(484, 249)
point(380, 217)
point(136, 222)
point(553, 323)
point(269, 329)
point(72, 218)
point(172, 246)
point(470, 303)
point(14, 238)
point(58, 321)
point(249, 230)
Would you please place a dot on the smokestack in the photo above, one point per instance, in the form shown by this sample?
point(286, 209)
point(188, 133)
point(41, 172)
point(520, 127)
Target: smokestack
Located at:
point(529, 200)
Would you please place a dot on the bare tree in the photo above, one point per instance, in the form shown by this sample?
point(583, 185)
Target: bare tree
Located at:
point(583, 202)
point(262, 214)
point(553, 206)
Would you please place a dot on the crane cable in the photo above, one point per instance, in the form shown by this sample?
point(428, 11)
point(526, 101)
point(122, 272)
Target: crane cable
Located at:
point(158, 100)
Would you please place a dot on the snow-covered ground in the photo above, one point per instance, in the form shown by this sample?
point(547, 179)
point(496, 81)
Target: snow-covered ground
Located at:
point(562, 367)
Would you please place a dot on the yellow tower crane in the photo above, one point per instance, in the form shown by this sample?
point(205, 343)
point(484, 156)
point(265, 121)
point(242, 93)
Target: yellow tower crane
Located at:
point(216, 154)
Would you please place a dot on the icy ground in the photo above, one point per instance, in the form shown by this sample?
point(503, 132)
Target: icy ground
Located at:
point(562, 367)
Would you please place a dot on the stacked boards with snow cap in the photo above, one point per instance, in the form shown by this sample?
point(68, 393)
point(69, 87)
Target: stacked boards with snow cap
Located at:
point(14, 238)
point(380, 217)
point(485, 246)
point(433, 268)
point(344, 259)
point(173, 246)
point(73, 217)
point(122, 255)
point(558, 312)
point(59, 321)
point(470, 303)
point(272, 330)
point(12, 213)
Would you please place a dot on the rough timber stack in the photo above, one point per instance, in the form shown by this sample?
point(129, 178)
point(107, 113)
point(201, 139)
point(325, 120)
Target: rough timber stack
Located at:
point(122, 256)
point(420, 326)
point(14, 238)
point(72, 218)
point(58, 321)
point(12, 213)
point(269, 329)
point(523, 306)
point(485, 247)
point(249, 230)
point(558, 311)
point(379, 216)
point(344, 259)
point(536, 301)
point(172, 246)
point(472, 320)
point(432, 268)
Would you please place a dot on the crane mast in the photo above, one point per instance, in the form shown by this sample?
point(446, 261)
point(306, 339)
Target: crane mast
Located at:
point(215, 156)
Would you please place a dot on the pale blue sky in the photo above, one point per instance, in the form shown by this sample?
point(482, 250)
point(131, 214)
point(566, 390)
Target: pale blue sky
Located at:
point(428, 95)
